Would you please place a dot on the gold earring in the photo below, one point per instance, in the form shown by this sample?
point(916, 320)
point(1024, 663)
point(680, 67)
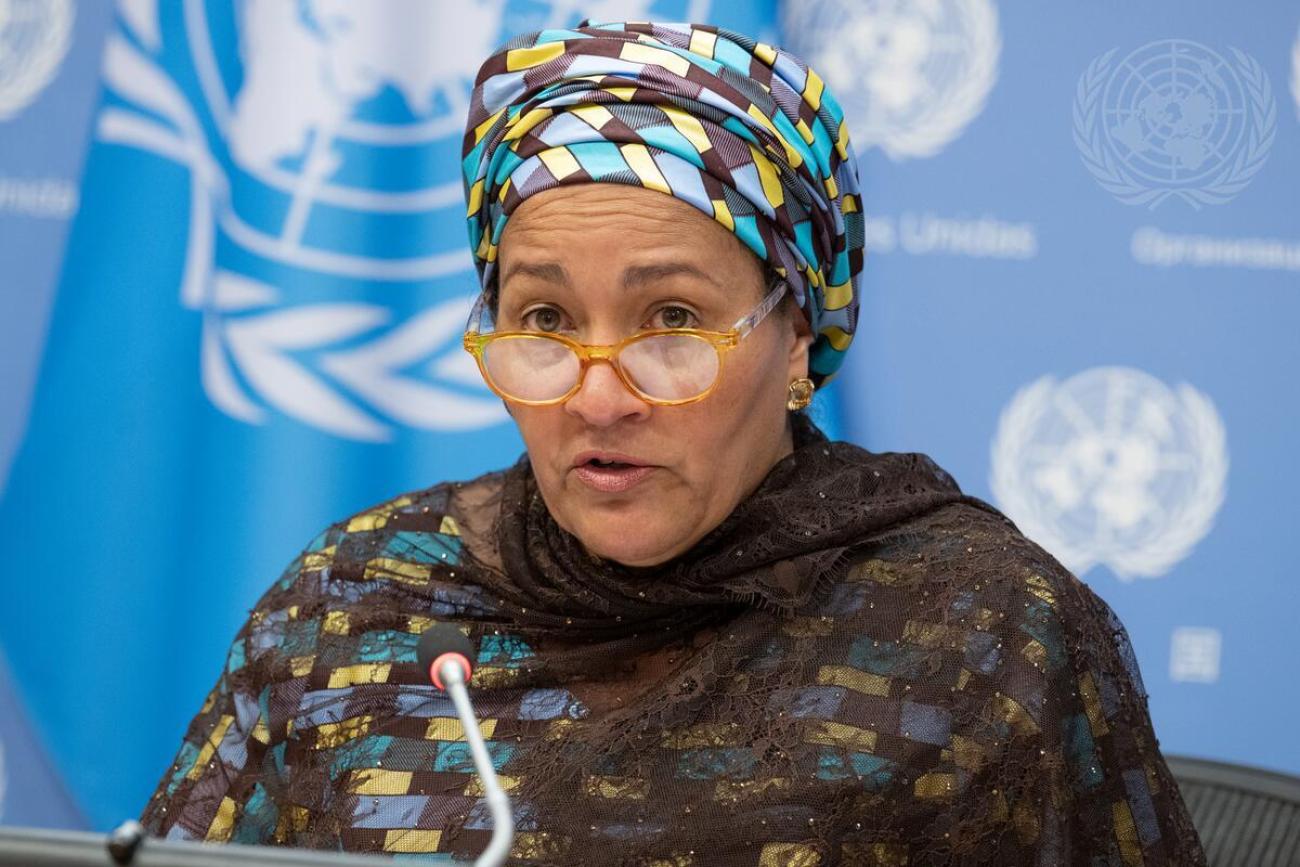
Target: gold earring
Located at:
point(801, 392)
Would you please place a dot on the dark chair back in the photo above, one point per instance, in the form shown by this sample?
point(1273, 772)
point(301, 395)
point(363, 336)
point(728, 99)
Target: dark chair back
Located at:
point(1245, 816)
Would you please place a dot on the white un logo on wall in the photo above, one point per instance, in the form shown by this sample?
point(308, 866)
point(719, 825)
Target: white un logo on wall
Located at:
point(327, 251)
point(1174, 119)
point(910, 76)
point(1111, 466)
point(34, 39)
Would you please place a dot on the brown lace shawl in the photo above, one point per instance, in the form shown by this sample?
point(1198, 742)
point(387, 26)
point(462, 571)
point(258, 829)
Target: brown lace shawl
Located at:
point(860, 665)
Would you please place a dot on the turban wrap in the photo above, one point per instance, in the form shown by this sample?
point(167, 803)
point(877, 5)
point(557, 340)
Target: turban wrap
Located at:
point(741, 130)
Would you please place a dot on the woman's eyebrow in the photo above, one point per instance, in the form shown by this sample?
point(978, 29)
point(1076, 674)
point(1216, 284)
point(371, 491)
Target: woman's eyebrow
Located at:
point(551, 272)
point(639, 275)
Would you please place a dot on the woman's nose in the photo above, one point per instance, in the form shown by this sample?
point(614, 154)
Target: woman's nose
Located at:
point(603, 399)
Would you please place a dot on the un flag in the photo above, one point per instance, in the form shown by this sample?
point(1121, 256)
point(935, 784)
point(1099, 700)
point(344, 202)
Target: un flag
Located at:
point(256, 332)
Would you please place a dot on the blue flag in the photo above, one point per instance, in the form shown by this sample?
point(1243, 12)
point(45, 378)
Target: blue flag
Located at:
point(257, 332)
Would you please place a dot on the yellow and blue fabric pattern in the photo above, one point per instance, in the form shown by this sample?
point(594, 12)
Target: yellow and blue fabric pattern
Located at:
point(741, 130)
point(904, 681)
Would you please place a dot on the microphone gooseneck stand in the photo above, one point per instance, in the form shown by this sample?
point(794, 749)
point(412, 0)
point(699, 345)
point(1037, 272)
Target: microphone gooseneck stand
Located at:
point(444, 652)
point(503, 825)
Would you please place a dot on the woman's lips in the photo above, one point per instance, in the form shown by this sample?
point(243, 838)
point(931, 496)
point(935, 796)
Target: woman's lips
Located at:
point(612, 480)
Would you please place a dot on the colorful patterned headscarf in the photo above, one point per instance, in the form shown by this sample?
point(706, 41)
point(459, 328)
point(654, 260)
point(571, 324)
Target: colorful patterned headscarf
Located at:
point(743, 131)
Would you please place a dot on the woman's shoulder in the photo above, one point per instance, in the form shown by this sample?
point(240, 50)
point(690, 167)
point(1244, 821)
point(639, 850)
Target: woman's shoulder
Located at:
point(421, 507)
point(964, 576)
point(374, 579)
point(995, 555)
point(391, 559)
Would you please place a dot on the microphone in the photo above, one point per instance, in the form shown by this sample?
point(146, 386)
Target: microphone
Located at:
point(444, 653)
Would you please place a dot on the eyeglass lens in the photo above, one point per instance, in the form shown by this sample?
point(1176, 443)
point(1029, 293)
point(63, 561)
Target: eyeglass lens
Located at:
point(662, 367)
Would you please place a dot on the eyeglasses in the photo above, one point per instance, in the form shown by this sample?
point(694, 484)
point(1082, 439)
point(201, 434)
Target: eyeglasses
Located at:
point(662, 366)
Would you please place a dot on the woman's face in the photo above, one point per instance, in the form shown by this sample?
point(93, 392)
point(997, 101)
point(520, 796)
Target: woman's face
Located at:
point(600, 262)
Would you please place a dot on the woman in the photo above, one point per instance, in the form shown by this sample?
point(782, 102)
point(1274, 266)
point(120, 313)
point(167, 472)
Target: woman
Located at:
point(706, 634)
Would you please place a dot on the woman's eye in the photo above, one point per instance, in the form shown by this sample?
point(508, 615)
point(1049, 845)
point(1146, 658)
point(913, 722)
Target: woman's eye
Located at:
point(543, 319)
point(674, 316)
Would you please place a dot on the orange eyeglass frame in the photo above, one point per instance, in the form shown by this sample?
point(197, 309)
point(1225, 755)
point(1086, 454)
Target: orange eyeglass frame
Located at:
point(474, 343)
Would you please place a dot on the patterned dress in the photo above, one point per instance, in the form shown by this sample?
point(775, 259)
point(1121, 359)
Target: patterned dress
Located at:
point(953, 696)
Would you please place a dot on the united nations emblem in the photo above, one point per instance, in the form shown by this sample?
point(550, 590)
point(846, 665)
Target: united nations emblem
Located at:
point(1174, 119)
point(326, 250)
point(1111, 466)
point(909, 76)
point(34, 39)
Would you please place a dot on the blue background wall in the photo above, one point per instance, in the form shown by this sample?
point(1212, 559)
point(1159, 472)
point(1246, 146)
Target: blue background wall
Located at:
point(1080, 298)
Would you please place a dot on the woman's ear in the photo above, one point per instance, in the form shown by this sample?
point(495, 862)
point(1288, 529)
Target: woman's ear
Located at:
point(800, 335)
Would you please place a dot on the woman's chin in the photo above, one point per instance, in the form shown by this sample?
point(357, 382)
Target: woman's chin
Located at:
point(633, 540)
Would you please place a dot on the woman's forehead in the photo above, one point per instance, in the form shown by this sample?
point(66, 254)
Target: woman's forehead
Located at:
point(630, 275)
point(635, 216)
point(623, 240)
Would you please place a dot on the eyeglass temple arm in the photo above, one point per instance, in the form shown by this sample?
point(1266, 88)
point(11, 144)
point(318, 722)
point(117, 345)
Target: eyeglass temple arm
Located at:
point(476, 314)
point(746, 324)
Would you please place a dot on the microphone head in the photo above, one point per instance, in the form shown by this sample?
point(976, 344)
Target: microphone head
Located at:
point(440, 642)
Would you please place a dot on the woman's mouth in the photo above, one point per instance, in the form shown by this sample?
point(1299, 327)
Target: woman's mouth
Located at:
point(611, 476)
